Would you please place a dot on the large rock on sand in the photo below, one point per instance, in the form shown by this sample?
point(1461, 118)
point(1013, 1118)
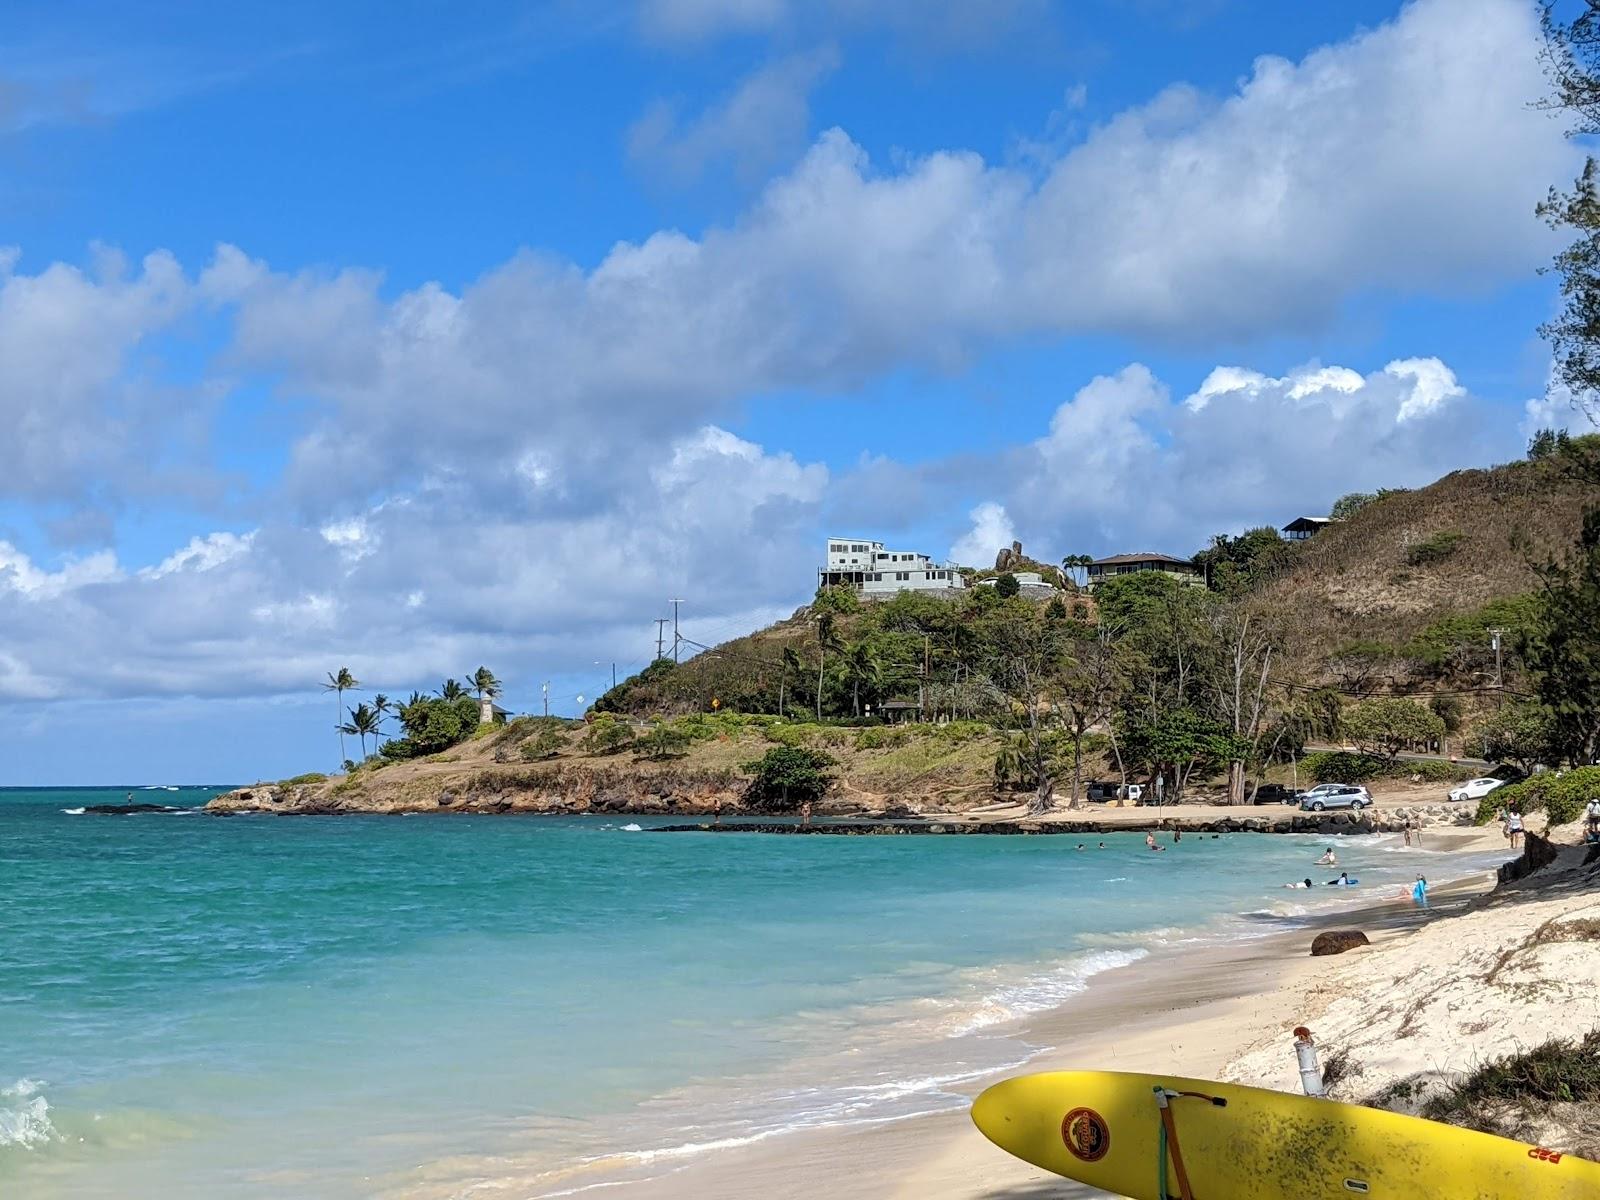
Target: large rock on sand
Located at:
point(1337, 941)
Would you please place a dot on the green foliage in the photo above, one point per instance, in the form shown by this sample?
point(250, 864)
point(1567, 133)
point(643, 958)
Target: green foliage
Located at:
point(1179, 738)
point(607, 735)
point(1547, 443)
point(547, 742)
point(1448, 709)
point(1523, 734)
point(637, 692)
point(835, 601)
point(301, 780)
point(1557, 1071)
point(1339, 766)
point(662, 743)
point(1560, 797)
point(1350, 504)
point(789, 735)
point(1387, 725)
point(1006, 586)
point(1237, 565)
point(1460, 642)
point(1435, 548)
point(432, 724)
point(883, 737)
point(1562, 649)
point(787, 776)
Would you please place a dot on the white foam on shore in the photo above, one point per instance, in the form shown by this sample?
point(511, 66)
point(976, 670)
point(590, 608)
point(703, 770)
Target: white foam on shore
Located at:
point(1042, 992)
point(73, 812)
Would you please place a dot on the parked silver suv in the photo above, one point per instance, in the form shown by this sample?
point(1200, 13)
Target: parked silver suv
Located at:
point(1335, 795)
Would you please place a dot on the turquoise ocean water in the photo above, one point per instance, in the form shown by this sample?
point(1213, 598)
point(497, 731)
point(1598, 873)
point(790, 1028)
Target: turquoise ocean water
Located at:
point(420, 1007)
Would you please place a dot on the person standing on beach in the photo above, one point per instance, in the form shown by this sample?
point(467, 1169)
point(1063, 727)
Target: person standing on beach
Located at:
point(1591, 815)
point(1514, 828)
point(1419, 893)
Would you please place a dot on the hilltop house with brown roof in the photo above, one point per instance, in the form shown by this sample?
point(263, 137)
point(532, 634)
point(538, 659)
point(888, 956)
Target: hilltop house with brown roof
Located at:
point(1180, 569)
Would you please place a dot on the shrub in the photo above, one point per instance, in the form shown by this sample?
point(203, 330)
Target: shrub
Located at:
point(1434, 549)
point(1560, 797)
point(786, 777)
point(308, 777)
point(662, 743)
point(1006, 586)
point(787, 735)
point(884, 737)
point(1556, 1072)
point(1338, 766)
point(547, 742)
point(607, 735)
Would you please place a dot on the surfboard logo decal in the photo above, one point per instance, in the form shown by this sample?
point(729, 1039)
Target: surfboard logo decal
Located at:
point(1086, 1134)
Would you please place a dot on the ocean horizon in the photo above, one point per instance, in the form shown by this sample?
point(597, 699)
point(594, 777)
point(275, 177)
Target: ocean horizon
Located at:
point(193, 1006)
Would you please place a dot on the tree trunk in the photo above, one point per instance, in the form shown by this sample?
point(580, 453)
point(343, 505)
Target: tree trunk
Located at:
point(338, 699)
point(855, 697)
point(1077, 764)
point(1236, 781)
point(781, 682)
point(822, 659)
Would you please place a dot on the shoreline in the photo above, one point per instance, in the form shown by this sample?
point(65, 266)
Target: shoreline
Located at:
point(1193, 1004)
point(1225, 1011)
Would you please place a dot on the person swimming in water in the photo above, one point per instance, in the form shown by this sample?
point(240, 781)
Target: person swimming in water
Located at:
point(1304, 883)
point(1344, 880)
point(1328, 859)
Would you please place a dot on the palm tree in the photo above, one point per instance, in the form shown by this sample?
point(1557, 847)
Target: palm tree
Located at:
point(1073, 563)
point(861, 665)
point(363, 720)
point(791, 662)
point(484, 683)
point(826, 639)
point(451, 690)
point(382, 707)
point(340, 682)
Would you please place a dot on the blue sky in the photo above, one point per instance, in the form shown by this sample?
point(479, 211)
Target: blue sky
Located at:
point(413, 336)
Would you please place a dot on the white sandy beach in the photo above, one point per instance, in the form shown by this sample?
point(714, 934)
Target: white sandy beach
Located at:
point(1478, 976)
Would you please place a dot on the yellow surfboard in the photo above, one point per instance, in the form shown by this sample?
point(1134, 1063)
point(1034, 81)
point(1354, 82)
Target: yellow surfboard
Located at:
point(1227, 1142)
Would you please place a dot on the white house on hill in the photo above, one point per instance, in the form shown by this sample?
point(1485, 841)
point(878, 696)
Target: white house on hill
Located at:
point(872, 570)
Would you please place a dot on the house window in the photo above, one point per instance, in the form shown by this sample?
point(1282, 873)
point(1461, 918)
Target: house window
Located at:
point(902, 576)
point(877, 577)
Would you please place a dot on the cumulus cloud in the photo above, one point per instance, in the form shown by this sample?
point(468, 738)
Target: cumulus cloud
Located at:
point(764, 121)
point(525, 468)
point(1125, 468)
point(991, 530)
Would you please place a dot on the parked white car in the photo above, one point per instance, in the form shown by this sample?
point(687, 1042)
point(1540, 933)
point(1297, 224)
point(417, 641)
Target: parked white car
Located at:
point(1475, 789)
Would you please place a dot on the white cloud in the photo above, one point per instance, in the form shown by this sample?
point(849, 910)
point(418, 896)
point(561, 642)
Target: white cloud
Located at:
point(991, 532)
point(764, 121)
point(1123, 468)
point(547, 446)
point(1556, 410)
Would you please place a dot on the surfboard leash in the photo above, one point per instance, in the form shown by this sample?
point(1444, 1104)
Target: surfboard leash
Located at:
point(1169, 1137)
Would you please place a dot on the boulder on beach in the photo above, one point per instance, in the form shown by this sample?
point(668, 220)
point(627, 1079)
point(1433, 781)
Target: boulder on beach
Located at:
point(1337, 941)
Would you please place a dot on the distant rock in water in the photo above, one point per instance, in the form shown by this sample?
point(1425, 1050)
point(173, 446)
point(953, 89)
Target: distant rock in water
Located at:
point(1337, 941)
point(123, 810)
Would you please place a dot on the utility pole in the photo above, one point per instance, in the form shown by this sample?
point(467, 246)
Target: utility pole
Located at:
point(546, 690)
point(1494, 639)
point(675, 638)
point(661, 623)
point(613, 675)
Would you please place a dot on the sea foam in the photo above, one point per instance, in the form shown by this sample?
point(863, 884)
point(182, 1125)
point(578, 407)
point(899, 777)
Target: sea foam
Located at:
point(25, 1115)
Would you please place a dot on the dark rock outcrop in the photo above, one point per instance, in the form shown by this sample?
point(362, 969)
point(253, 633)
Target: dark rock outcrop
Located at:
point(1337, 941)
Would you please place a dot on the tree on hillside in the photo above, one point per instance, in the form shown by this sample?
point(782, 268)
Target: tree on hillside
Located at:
point(827, 607)
point(483, 682)
point(1350, 504)
point(452, 690)
point(1074, 563)
point(1177, 744)
point(363, 721)
point(1236, 565)
point(1562, 650)
point(1572, 62)
point(1006, 586)
point(382, 706)
point(1092, 680)
point(790, 662)
point(1026, 656)
point(788, 777)
point(861, 666)
point(1521, 734)
point(1244, 649)
point(340, 682)
point(1388, 725)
